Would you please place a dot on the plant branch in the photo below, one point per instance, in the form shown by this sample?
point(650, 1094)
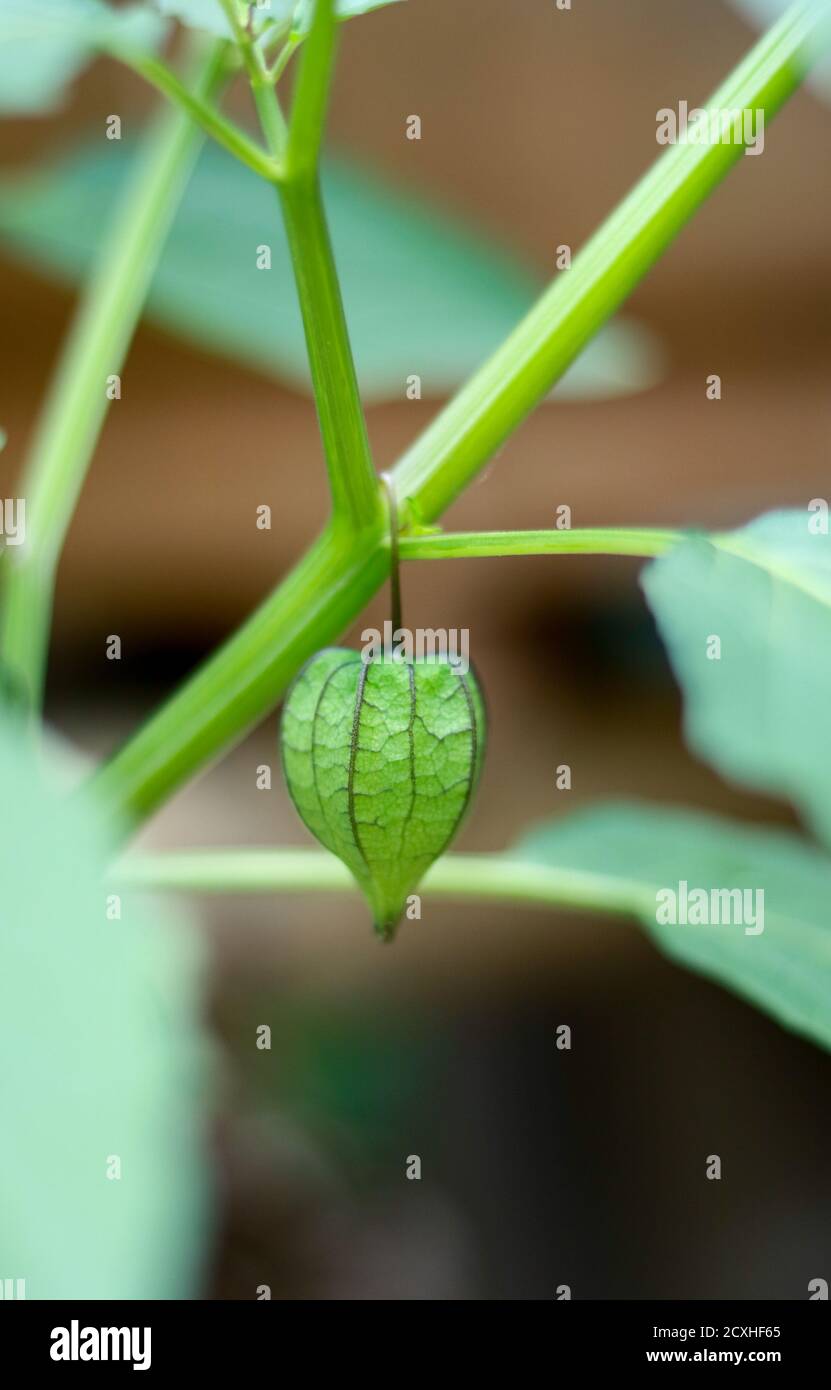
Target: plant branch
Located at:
point(244, 679)
point(294, 165)
point(356, 499)
point(353, 483)
point(284, 57)
point(492, 877)
point(395, 554)
point(241, 36)
point(77, 403)
point(465, 545)
point(262, 84)
point(271, 116)
point(207, 116)
point(308, 112)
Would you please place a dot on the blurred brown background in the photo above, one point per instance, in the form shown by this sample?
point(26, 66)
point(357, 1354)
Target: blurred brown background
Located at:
point(540, 1167)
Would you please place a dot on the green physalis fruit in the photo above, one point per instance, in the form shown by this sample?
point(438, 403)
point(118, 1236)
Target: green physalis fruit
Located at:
point(381, 758)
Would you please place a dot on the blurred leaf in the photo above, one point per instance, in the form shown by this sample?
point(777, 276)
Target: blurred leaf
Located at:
point(762, 713)
point(102, 1057)
point(45, 43)
point(764, 13)
point(209, 15)
point(425, 295)
point(344, 9)
point(784, 970)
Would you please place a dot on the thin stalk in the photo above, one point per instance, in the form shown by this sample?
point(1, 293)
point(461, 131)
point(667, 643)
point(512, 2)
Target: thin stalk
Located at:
point(266, 42)
point(244, 679)
point(77, 403)
point(352, 480)
point(464, 545)
point(271, 118)
point(266, 100)
point(308, 112)
point(395, 554)
point(207, 116)
point(241, 36)
point(491, 877)
point(356, 500)
point(284, 57)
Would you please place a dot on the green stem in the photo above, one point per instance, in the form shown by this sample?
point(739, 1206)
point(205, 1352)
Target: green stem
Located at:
point(352, 476)
point(241, 36)
point(276, 33)
point(284, 57)
point(492, 877)
point(271, 117)
point(262, 85)
point(308, 113)
point(77, 403)
point(395, 556)
point(244, 679)
point(207, 116)
point(464, 545)
point(353, 483)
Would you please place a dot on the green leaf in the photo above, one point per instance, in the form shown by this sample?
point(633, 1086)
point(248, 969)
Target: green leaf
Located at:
point(381, 758)
point(424, 294)
point(761, 713)
point(637, 851)
point(103, 1061)
point(45, 43)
